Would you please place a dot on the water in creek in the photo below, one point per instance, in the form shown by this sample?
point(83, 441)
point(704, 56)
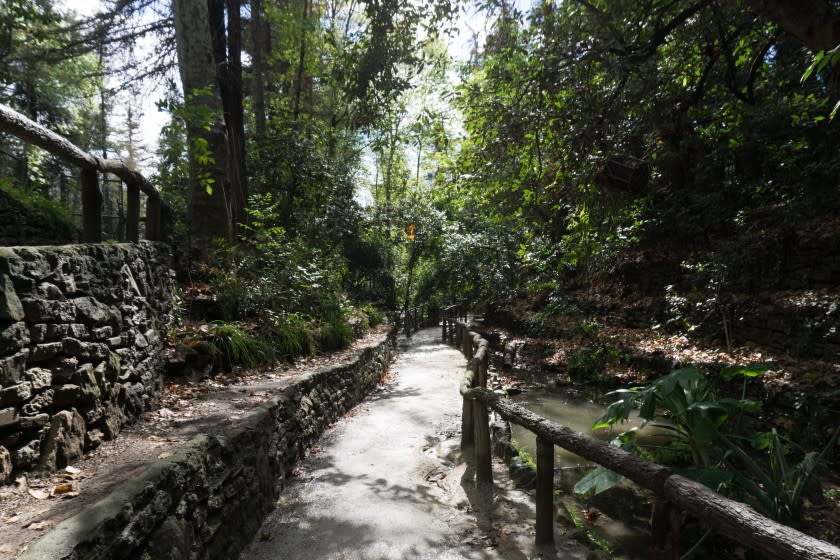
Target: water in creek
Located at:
point(622, 512)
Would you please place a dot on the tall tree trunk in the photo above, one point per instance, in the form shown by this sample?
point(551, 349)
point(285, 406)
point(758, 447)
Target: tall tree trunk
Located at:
point(209, 208)
point(227, 52)
point(258, 36)
point(235, 114)
point(301, 58)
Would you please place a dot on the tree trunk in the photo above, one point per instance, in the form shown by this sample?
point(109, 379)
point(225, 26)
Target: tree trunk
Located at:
point(814, 22)
point(209, 208)
point(235, 115)
point(301, 58)
point(258, 66)
point(227, 52)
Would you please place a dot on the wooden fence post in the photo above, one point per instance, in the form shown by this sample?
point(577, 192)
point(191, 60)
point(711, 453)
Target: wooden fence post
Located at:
point(467, 429)
point(153, 232)
point(132, 219)
point(91, 206)
point(483, 458)
point(467, 344)
point(665, 530)
point(545, 493)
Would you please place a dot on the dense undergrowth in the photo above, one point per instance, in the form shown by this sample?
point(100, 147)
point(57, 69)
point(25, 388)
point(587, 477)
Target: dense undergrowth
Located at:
point(268, 298)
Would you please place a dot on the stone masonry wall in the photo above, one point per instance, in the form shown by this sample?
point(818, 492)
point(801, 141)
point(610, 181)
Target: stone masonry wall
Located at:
point(208, 499)
point(81, 335)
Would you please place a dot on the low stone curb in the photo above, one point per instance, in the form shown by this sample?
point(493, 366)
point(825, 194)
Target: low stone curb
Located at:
point(208, 499)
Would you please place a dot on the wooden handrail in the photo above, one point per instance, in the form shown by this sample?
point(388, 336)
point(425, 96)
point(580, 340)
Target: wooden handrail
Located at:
point(674, 493)
point(18, 125)
point(417, 317)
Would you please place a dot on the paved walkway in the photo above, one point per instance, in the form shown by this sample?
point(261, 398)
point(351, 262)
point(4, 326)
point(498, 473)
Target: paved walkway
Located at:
point(385, 482)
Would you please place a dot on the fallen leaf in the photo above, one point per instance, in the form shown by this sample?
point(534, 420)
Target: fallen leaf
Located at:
point(62, 488)
point(40, 525)
point(38, 494)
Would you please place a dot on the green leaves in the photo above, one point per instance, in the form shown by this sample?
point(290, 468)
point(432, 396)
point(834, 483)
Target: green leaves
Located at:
point(597, 480)
point(748, 371)
point(619, 411)
point(776, 485)
point(685, 405)
point(821, 61)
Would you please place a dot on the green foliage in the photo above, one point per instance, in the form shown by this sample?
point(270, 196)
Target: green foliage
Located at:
point(597, 480)
point(590, 360)
point(334, 332)
point(289, 334)
point(822, 61)
point(710, 126)
point(689, 407)
point(30, 207)
point(595, 539)
point(777, 488)
point(51, 84)
point(375, 317)
point(232, 344)
point(706, 427)
point(270, 271)
point(527, 459)
point(557, 303)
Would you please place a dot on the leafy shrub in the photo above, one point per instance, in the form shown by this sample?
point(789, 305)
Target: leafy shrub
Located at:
point(703, 428)
point(334, 332)
point(777, 488)
point(33, 208)
point(335, 335)
point(233, 344)
point(590, 360)
point(268, 270)
point(289, 334)
point(374, 316)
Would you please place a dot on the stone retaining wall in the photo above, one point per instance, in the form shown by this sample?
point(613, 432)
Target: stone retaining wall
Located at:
point(209, 498)
point(81, 335)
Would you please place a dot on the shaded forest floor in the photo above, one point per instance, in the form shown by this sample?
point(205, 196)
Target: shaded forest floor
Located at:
point(34, 503)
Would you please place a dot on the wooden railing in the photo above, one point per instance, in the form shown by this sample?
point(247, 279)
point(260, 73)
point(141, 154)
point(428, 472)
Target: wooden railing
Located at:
point(674, 493)
point(90, 166)
point(449, 315)
point(415, 318)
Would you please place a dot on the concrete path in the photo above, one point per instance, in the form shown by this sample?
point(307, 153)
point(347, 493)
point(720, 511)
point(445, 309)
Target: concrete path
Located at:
point(385, 482)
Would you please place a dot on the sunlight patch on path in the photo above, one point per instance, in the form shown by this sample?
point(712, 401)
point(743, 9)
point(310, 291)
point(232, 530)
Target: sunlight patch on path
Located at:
point(385, 482)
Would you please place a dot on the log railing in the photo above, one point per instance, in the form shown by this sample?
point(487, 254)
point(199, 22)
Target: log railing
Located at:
point(14, 123)
point(674, 493)
point(415, 318)
point(449, 316)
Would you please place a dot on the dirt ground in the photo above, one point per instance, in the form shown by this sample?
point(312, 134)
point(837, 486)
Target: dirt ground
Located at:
point(34, 503)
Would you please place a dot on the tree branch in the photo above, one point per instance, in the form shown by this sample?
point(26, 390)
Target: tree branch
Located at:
point(814, 22)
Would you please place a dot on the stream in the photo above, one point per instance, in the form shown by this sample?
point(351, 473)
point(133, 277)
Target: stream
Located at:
point(619, 516)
